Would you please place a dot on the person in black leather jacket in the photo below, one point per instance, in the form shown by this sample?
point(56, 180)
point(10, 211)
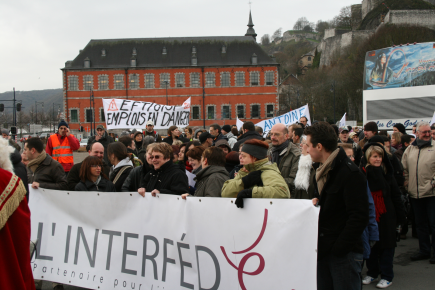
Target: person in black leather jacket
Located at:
point(166, 177)
point(132, 182)
point(92, 177)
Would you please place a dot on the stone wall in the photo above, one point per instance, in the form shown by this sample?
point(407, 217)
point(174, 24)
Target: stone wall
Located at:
point(287, 36)
point(424, 18)
point(334, 32)
point(337, 44)
point(369, 5)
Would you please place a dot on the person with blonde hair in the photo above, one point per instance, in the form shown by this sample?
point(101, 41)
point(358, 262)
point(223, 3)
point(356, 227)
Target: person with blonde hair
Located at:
point(396, 140)
point(390, 213)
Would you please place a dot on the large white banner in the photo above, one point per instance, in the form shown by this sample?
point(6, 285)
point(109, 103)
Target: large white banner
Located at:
point(130, 114)
point(286, 119)
point(124, 241)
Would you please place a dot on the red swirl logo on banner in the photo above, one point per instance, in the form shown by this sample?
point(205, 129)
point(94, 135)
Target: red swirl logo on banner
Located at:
point(240, 268)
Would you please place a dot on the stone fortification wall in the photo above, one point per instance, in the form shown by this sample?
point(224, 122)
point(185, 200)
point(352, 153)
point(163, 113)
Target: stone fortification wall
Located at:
point(287, 36)
point(336, 44)
point(334, 32)
point(369, 5)
point(424, 18)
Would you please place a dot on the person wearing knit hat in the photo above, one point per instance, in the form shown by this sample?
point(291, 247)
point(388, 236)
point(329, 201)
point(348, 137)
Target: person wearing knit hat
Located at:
point(60, 146)
point(223, 144)
point(259, 178)
point(398, 127)
point(370, 130)
point(226, 131)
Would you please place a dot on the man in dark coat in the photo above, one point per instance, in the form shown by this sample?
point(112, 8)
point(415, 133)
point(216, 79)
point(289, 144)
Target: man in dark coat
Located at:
point(96, 149)
point(249, 133)
point(344, 211)
point(20, 170)
point(103, 138)
point(215, 130)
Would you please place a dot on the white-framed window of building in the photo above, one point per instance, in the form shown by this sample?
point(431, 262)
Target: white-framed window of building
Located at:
point(211, 112)
point(270, 110)
point(196, 112)
point(149, 81)
point(226, 111)
point(102, 116)
point(74, 113)
point(225, 79)
point(88, 82)
point(179, 80)
point(255, 78)
point(240, 111)
point(73, 83)
point(255, 111)
point(194, 80)
point(270, 78)
point(133, 81)
point(165, 80)
point(240, 78)
point(103, 82)
point(210, 80)
point(119, 82)
point(89, 116)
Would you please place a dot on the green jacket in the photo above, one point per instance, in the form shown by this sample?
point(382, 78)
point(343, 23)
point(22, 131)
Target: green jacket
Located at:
point(274, 186)
point(288, 165)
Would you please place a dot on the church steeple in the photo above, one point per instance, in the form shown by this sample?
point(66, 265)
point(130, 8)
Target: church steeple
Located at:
point(251, 31)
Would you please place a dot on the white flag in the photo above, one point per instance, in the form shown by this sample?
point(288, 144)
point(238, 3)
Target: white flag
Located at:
point(433, 119)
point(239, 124)
point(343, 121)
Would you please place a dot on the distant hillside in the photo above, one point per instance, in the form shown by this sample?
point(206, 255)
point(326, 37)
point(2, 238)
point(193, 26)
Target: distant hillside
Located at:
point(49, 97)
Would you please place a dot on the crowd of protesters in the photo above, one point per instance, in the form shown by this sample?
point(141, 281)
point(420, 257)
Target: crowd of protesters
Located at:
point(369, 184)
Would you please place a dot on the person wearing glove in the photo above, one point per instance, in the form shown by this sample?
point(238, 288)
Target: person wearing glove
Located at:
point(259, 178)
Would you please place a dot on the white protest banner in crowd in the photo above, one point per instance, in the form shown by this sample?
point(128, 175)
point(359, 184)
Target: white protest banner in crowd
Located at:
point(343, 121)
point(239, 124)
point(130, 114)
point(120, 240)
point(286, 119)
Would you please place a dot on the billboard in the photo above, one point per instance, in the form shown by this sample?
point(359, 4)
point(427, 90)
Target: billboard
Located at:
point(399, 85)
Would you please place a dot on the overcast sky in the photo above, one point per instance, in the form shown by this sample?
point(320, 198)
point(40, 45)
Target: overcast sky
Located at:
point(38, 36)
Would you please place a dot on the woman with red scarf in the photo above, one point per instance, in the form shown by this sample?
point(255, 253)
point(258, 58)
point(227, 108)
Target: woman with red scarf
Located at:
point(389, 213)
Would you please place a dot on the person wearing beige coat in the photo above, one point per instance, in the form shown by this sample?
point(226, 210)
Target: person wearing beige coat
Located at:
point(419, 170)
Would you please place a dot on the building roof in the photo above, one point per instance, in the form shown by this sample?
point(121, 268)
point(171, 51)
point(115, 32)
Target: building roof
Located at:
point(290, 80)
point(119, 52)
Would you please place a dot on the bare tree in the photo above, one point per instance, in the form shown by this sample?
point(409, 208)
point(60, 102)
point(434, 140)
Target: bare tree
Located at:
point(344, 18)
point(301, 23)
point(276, 34)
point(265, 39)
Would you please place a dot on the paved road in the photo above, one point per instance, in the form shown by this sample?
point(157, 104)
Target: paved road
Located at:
point(79, 156)
point(408, 275)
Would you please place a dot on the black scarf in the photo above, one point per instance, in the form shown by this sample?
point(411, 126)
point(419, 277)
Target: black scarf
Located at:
point(375, 178)
point(276, 150)
point(422, 143)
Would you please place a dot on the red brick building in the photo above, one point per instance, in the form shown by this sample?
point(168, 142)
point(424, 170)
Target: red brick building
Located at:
point(225, 76)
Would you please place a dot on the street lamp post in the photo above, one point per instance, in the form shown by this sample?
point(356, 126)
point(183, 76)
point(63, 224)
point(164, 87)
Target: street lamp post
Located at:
point(52, 115)
point(36, 110)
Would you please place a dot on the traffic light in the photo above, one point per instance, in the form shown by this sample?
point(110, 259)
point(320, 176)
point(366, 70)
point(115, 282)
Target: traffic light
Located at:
point(13, 130)
point(18, 107)
point(2, 107)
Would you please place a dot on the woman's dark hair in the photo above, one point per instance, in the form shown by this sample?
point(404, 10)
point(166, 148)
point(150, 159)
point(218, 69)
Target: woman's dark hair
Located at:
point(257, 143)
point(188, 129)
point(126, 140)
point(405, 139)
point(195, 153)
point(323, 133)
point(172, 128)
point(85, 168)
point(188, 144)
point(235, 131)
point(175, 149)
point(215, 156)
point(118, 149)
point(233, 158)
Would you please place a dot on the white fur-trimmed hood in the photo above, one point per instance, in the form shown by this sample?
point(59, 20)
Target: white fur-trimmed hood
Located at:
point(5, 155)
point(302, 180)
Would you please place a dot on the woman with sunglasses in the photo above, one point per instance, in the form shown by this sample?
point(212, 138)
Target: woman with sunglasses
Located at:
point(165, 177)
point(92, 177)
